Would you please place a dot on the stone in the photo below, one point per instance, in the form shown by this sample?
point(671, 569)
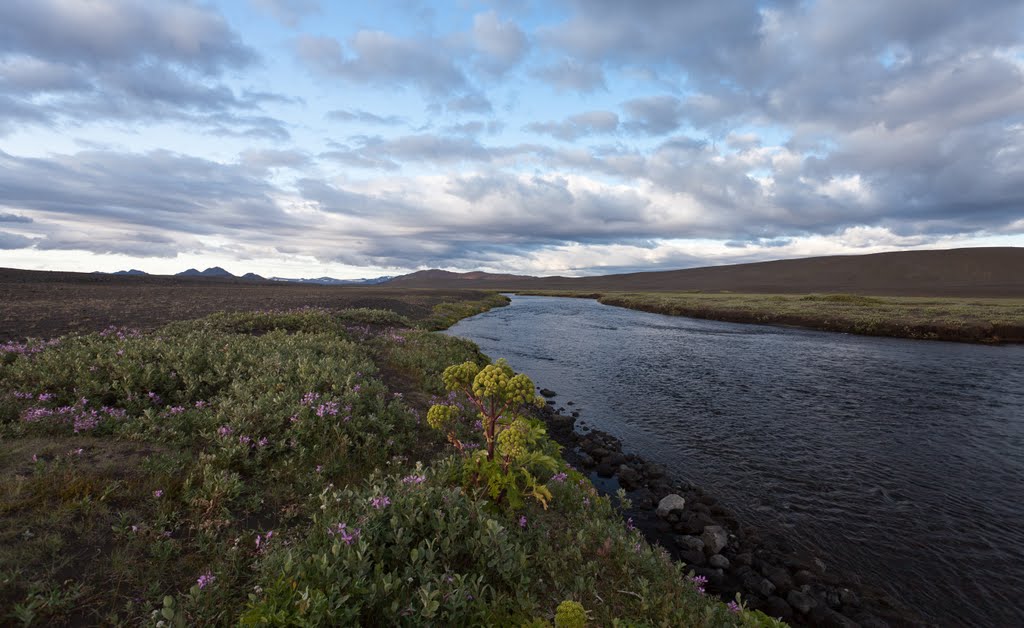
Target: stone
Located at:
point(803, 577)
point(777, 607)
point(586, 460)
point(670, 503)
point(696, 522)
point(690, 543)
point(801, 601)
point(605, 470)
point(691, 557)
point(715, 538)
point(746, 558)
point(779, 577)
point(849, 598)
point(628, 477)
point(547, 393)
point(759, 585)
point(615, 459)
point(717, 560)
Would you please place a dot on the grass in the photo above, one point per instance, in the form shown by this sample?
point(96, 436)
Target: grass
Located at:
point(958, 319)
point(275, 469)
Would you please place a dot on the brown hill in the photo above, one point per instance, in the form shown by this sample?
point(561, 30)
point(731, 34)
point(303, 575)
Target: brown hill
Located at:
point(975, 272)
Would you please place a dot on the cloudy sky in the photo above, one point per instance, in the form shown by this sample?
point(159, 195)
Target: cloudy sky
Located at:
point(307, 137)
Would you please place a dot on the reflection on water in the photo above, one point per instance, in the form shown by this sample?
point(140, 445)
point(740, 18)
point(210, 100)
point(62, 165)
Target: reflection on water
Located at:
point(899, 460)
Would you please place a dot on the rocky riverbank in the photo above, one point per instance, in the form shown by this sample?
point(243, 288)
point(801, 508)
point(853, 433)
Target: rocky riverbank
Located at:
point(710, 539)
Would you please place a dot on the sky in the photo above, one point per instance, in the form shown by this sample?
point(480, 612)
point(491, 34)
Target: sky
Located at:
point(562, 137)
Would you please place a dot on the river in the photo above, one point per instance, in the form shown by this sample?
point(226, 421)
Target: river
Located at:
point(900, 461)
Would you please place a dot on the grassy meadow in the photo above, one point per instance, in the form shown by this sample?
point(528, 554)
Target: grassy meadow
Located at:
point(277, 469)
point(945, 318)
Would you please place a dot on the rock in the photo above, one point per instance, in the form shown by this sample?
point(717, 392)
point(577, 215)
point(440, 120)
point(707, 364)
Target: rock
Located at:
point(547, 393)
point(643, 498)
point(576, 414)
point(691, 557)
point(777, 607)
point(801, 601)
point(803, 577)
point(691, 543)
point(605, 470)
point(598, 452)
point(717, 560)
point(615, 459)
point(832, 619)
point(849, 598)
point(629, 479)
point(570, 403)
point(699, 507)
point(696, 522)
point(715, 538)
point(670, 503)
point(779, 577)
point(757, 584)
point(746, 558)
point(654, 470)
point(586, 460)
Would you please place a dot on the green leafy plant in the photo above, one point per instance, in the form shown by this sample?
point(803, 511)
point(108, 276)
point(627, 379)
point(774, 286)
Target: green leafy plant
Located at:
point(512, 455)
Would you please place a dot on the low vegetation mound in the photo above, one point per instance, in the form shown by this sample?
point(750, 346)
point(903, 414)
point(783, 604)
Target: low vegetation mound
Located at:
point(280, 469)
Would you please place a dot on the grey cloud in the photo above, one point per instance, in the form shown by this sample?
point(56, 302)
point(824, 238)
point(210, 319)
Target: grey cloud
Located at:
point(122, 32)
point(470, 103)
point(364, 117)
point(380, 58)
point(289, 12)
point(421, 147)
point(502, 44)
point(132, 192)
point(655, 115)
point(10, 241)
point(475, 127)
point(264, 159)
point(570, 74)
point(15, 218)
point(577, 126)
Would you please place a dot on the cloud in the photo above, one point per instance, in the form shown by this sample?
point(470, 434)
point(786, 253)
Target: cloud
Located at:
point(364, 117)
point(14, 218)
point(379, 58)
point(125, 60)
point(502, 45)
point(573, 75)
point(655, 115)
point(289, 12)
point(577, 126)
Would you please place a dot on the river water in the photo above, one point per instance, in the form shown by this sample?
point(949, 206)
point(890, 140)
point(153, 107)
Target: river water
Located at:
point(901, 461)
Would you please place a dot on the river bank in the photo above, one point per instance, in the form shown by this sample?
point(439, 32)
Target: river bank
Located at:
point(990, 321)
point(761, 566)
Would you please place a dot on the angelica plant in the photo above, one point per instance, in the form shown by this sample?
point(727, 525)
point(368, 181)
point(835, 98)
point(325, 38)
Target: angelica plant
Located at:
point(510, 457)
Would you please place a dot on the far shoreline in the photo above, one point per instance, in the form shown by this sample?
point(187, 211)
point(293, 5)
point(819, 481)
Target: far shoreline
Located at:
point(970, 320)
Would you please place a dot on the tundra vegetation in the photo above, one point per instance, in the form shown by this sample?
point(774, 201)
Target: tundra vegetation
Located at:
point(938, 318)
point(281, 468)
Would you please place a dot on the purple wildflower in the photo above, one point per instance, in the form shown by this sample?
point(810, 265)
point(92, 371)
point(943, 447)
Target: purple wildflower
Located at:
point(262, 442)
point(630, 525)
point(522, 521)
point(158, 493)
point(205, 579)
point(224, 430)
point(413, 479)
point(561, 476)
point(310, 398)
point(176, 410)
point(734, 607)
point(341, 530)
point(381, 501)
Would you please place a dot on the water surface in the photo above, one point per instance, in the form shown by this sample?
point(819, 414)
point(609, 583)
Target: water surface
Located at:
point(901, 461)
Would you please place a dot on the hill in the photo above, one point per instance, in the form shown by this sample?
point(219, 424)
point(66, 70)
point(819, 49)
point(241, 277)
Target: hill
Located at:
point(975, 272)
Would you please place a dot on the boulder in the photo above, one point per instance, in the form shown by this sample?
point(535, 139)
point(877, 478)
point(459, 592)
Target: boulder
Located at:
point(547, 393)
point(779, 577)
point(670, 503)
point(717, 560)
point(801, 601)
point(696, 522)
point(691, 557)
point(777, 607)
point(615, 459)
point(605, 470)
point(715, 538)
point(629, 478)
point(691, 543)
point(746, 558)
point(759, 585)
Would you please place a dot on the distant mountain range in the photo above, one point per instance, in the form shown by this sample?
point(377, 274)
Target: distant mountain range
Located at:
point(216, 272)
point(974, 272)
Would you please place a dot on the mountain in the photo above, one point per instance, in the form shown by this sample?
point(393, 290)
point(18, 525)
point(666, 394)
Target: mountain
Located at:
point(975, 272)
point(214, 271)
point(132, 272)
point(253, 277)
point(331, 281)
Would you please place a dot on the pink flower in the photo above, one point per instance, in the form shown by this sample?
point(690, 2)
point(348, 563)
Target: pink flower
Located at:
point(522, 521)
point(158, 493)
point(341, 530)
point(381, 501)
point(413, 479)
point(734, 607)
point(205, 579)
